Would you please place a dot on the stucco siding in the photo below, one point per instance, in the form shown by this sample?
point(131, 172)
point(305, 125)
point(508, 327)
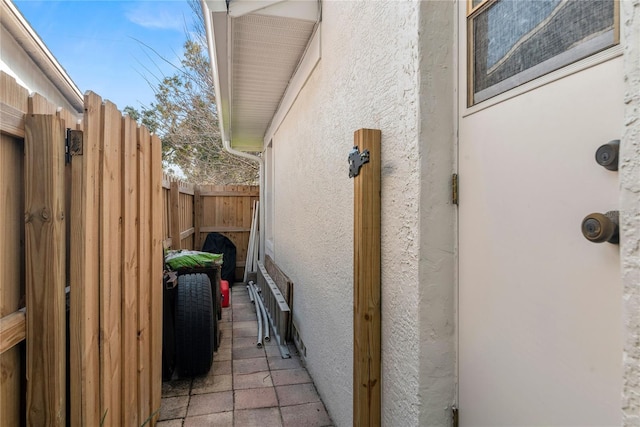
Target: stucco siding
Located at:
point(437, 214)
point(367, 78)
point(630, 207)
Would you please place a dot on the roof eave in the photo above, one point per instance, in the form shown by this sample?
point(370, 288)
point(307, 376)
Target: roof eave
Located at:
point(219, 18)
point(33, 45)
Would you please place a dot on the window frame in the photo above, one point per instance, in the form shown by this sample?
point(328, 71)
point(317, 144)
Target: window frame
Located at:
point(483, 5)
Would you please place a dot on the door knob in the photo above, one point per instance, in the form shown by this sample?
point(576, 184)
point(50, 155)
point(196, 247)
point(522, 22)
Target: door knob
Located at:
point(598, 228)
point(607, 155)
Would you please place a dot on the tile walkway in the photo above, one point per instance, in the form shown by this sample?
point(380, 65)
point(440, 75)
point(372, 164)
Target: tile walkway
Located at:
point(247, 385)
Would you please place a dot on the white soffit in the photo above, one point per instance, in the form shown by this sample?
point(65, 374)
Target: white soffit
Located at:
point(256, 47)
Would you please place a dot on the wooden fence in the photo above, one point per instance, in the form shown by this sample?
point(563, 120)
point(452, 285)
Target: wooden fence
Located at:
point(90, 225)
point(192, 211)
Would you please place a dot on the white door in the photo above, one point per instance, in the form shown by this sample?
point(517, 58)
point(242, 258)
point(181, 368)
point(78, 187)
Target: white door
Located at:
point(540, 329)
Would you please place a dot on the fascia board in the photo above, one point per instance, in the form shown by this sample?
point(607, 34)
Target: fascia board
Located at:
point(33, 45)
point(216, 25)
point(214, 6)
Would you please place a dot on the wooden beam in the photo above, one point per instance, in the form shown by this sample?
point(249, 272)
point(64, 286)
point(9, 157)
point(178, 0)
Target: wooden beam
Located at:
point(11, 120)
point(174, 220)
point(223, 229)
point(230, 194)
point(186, 233)
point(186, 188)
point(13, 330)
point(366, 280)
point(45, 270)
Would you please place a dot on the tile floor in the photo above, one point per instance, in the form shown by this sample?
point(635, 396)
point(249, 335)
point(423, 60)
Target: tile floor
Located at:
point(247, 385)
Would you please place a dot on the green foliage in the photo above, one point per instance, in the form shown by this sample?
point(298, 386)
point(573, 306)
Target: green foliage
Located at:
point(184, 116)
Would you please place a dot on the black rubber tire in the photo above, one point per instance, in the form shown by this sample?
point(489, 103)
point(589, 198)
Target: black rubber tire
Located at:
point(194, 325)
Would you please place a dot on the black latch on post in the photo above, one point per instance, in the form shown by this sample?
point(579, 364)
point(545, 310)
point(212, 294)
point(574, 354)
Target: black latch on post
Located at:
point(356, 160)
point(73, 144)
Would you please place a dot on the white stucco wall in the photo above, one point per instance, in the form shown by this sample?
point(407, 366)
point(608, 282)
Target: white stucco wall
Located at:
point(437, 214)
point(629, 209)
point(370, 76)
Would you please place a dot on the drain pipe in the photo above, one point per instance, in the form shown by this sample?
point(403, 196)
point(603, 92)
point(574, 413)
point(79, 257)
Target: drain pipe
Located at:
point(265, 318)
point(254, 299)
point(222, 9)
point(227, 146)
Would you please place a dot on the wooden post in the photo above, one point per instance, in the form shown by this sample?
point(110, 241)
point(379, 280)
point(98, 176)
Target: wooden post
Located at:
point(174, 210)
point(366, 280)
point(156, 276)
point(45, 270)
point(197, 218)
point(84, 268)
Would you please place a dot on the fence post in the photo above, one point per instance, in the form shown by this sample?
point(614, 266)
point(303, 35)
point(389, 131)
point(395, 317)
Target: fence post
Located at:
point(366, 280)
point(174, 210)
point(156, 276)
point(45, 270)
point(197, 218)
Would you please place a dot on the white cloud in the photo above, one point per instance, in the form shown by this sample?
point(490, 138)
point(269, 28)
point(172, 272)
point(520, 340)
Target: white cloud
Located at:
point(156, 15)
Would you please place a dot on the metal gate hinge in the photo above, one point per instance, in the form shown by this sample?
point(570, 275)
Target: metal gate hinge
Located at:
point(73, 144)
point(454, 189)
point(356, 160)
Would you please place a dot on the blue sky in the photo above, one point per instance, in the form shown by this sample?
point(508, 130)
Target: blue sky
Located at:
point(95, 42)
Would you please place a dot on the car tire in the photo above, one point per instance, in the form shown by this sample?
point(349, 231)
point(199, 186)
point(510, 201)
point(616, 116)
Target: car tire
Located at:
point(194, 325)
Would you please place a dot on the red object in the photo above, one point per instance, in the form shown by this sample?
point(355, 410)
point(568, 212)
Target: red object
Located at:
point(224, 289)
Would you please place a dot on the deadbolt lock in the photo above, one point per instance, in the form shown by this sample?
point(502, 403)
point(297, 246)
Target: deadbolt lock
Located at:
point(607, 155)
point(598, 228)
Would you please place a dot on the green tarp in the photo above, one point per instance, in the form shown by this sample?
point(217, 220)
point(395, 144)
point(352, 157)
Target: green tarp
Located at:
point(182, 259)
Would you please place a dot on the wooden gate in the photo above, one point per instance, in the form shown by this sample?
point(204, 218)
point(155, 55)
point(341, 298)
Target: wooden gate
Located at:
point(89, 222)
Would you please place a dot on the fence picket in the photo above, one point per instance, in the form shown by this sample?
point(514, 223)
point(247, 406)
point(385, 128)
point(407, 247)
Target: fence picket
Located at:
point(110, 263)
point(144, 282)
point(84, 316)
point(45, 270)
point(130, 274)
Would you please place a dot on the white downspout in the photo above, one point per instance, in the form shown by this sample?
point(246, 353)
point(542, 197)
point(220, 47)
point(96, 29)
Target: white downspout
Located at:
point(226, 143)
point(227, 146)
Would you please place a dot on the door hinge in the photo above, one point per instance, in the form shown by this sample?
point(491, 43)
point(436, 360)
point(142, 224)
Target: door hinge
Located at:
point(454, 416)
point(73, 144)
point(454, 188)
